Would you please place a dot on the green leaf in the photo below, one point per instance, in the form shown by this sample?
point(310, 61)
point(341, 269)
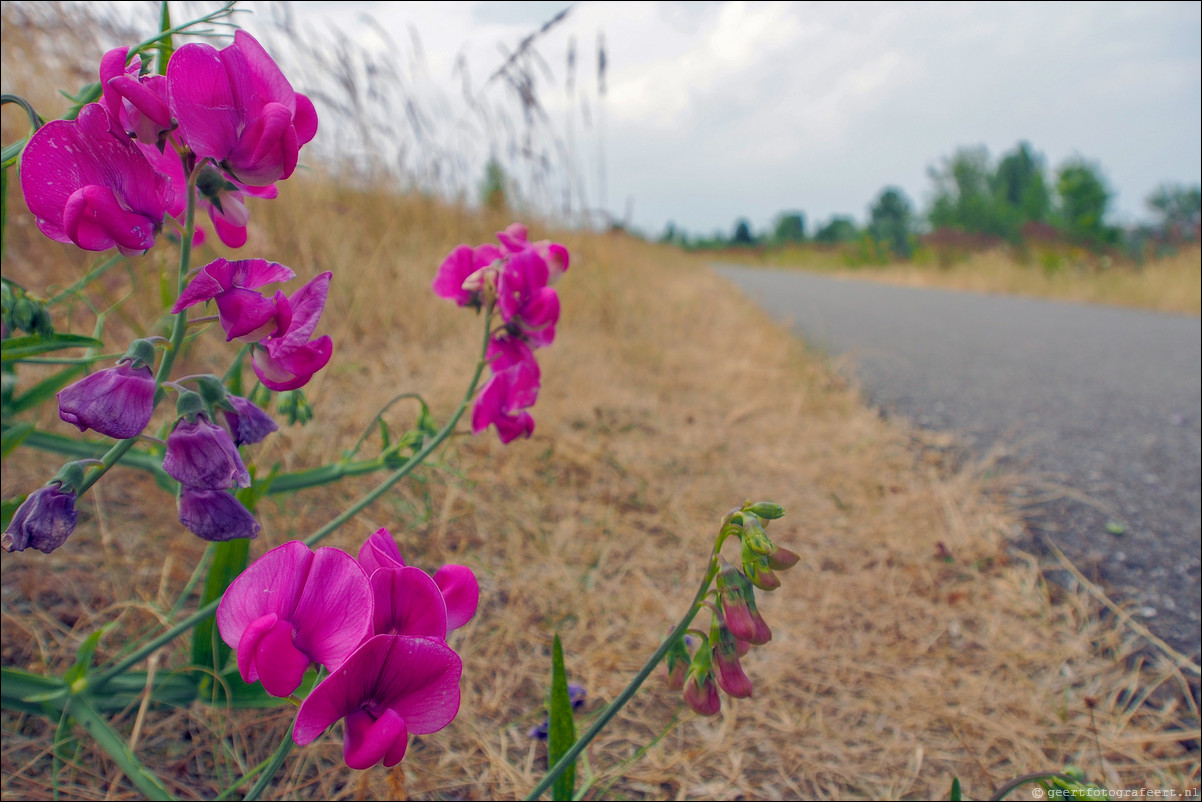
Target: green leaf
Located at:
point(562, 730)
point(8, 508)
point(166, 45)
point(44, 390)
point(111, 742)
point(8, 156)
point(232, 692)
point(83, 657)
point(11, 437)
point(15, 349)
point(229, 559)
point(956, 794)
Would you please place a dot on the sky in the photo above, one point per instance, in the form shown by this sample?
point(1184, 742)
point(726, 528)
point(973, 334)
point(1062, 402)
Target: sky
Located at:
point(726, 110)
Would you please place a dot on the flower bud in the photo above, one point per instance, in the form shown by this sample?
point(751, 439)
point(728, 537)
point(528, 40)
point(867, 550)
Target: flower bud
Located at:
point(676, 664)
point(755, 538)
point(757, 570)
point(737, 599)
point(766, 510)
point(731, 677)
point(700, 690)
point(44, 520)
point(293, 405)
point(783, 559)
point(246, 422)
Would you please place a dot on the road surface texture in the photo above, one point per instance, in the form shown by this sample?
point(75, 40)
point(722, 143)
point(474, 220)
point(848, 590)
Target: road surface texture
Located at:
point(1099, 406)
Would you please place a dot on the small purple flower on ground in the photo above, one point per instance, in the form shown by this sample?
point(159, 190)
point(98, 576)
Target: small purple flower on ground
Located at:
point(391, 686)
point(44, 520)
point(293, 607)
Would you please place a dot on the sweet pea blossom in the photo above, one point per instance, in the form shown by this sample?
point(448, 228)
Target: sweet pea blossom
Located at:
point(245, 314)
point(389, 687)
point(293, 607)
point(246, 423)
point(44, 520)
point(116, 402)
point(513, 239)
point(512, 389)
point(201, 455)
point(524, 299)
point(235, 106)
point(137, 104)
point(286, 359)
point(459, 277)
point(215, 515)
point(88, 185)
point(457, 584)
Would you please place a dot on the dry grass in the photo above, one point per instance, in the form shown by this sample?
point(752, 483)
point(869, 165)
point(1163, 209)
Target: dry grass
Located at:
point(1169, 284)
point(667, 399)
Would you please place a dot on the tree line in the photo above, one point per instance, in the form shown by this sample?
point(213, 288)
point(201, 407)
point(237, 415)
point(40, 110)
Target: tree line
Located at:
point(977, 203)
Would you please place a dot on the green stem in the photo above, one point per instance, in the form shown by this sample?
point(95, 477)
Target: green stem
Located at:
point(630, 690)
point(93, 274)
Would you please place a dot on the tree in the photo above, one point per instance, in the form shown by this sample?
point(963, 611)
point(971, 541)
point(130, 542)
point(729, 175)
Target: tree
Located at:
point(742, 234)
point(494, 190)
point(839, 229)
point(1020, 188)
point(790, 227)
point(892, 222)
point(963, 197)
point(1084, 199)
point(1178, 209)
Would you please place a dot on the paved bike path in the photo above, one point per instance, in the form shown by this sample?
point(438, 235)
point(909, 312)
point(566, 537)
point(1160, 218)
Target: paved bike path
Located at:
point(1100, 404)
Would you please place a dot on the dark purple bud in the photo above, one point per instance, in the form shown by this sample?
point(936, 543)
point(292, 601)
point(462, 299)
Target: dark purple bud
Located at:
point(116, 402)
point(737, 599)
point(247, 423)
point(215, 515)
point(783, 559)
point(201, 456)
point(44, 521)
point(731, 677)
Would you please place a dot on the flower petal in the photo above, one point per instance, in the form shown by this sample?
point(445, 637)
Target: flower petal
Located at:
point(334, 612)
point(408, 602)
point(266, 653)
point(460, 591)
point(270, 585)
point(369, 741)
point(380, 551)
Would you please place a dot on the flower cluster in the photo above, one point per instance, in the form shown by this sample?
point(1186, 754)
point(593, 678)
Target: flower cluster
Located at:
point(221, 123)
point(514, 278)
point(376, 624)
point(736, 624)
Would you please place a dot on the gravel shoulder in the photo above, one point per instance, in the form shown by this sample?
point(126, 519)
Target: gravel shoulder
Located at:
point(1100, 407)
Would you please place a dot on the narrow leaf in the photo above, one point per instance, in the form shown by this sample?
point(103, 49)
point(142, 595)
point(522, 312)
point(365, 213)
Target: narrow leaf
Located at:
point(229, 559)
point(12, 437)
point(111, 742)
point(17, 348)
point(561, 733)
point(956, 795)
point(166, 45)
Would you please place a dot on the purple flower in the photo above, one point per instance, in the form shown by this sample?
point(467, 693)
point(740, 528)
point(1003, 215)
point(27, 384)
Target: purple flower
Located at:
point(215, 515)
point(576, 697)
point(293, 607)
point(460, 276)
point(116, 402)
point(731, 677)
point(246, 423)
point(512, 388)
point(200, 455)
point(44, 520)
point(524, 299)
point(236, 107)
point(137, 105)
point(245, 314)
point(700, 691)
point(87, 185)
point(391, 686)
point(287, 358)
point(513, 239)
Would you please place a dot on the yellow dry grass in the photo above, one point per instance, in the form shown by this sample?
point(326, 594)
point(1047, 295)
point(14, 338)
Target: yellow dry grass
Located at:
point(909, 645)
point(1169, 284)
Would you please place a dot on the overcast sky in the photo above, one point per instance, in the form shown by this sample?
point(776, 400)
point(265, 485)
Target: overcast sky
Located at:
point(716, 111)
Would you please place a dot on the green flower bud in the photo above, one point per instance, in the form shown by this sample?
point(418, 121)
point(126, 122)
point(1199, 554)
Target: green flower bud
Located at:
point(767, 510)
point(755, 538)
point(293, 405)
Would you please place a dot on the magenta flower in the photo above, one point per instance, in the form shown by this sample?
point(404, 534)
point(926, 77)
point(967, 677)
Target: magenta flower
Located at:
point(44, 520)
point(731, 677)
point(215, 515)
point(408, 602)
point(457, 583)
point(513, 239)
point(460, 276)
point(236, 107)
point(287, 358)
point(117, 402)
point(137, 104)
point(293, 607)
point(700, 691)
point(245, 315)
point(391, 686)
point(513, 388)
point(524, 299)
point(737, 598)
point(87, 185)
point(460, 591)
point(202, 456)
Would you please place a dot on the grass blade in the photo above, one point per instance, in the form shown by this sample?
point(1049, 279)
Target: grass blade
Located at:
point(562, 730)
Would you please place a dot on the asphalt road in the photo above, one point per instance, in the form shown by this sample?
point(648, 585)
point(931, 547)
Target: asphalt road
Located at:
point(1098, 406)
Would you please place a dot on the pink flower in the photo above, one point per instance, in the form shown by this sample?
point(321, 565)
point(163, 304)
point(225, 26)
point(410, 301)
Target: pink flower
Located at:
point(87, 185)
point(408, 602)
point(245, 315)
point(293, 607)
point(731, 677)
point(460, 276)
point(287, 358)
point(236, 107)
point(137, 104)
point(700, 691)
point(391, 686)
point(739, 610)
point(524, 299)
point(511, 390)
point(460, 592)
point(513, 239)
